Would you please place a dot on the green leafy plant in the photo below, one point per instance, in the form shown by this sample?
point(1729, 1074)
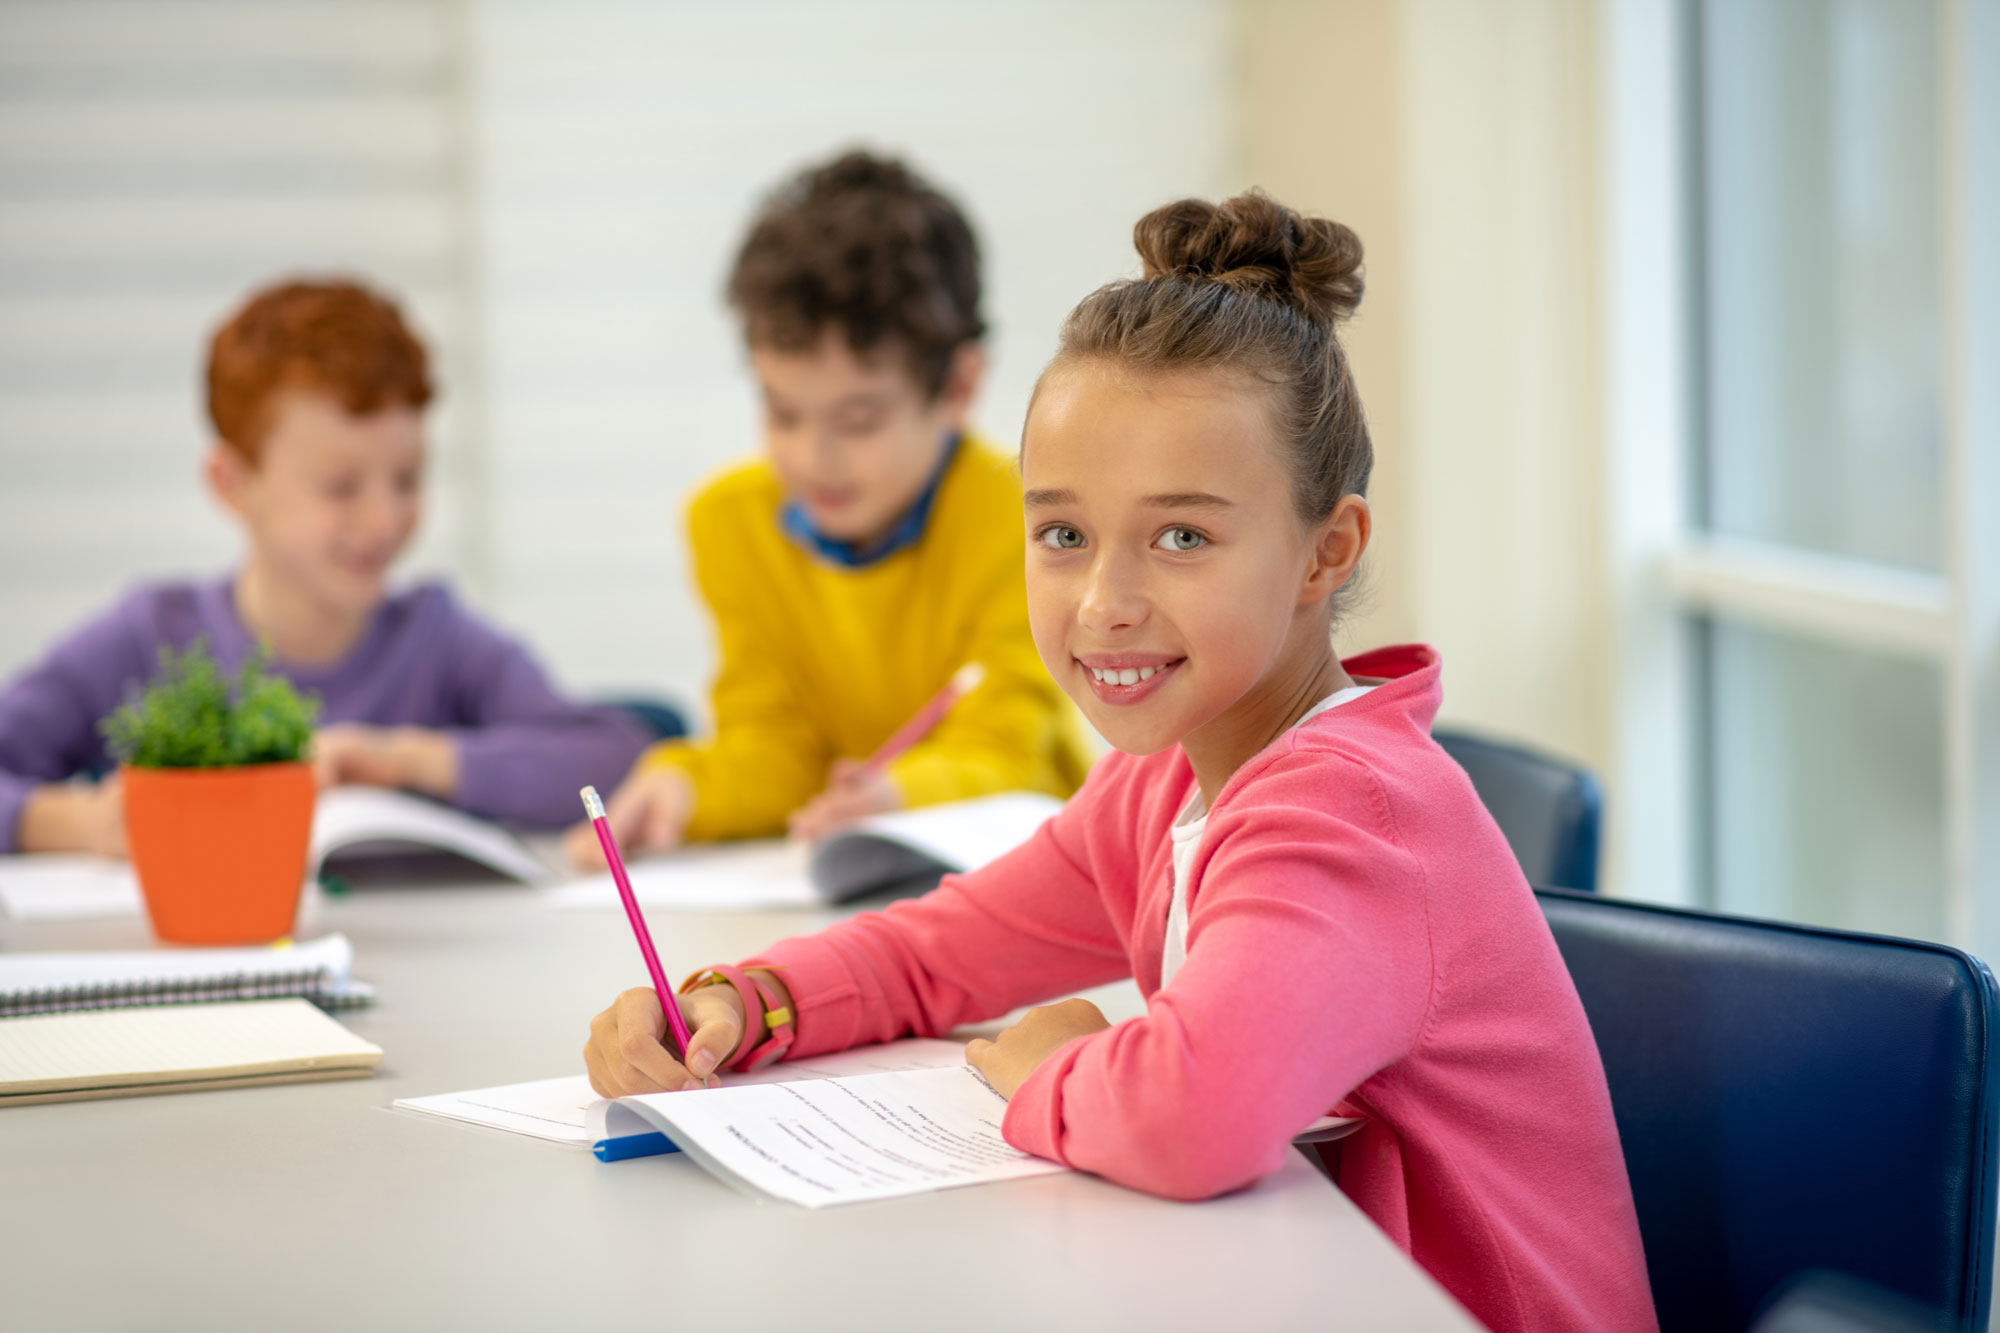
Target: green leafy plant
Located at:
point(191, 717)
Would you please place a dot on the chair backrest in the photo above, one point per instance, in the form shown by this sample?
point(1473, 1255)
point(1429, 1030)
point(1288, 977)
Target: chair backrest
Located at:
point(1792, 1099)
point(1549, 810)
point(657, 716)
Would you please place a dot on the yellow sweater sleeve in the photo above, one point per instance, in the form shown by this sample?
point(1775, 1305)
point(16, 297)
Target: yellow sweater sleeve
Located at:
point(1001, 736)
point(765, 759)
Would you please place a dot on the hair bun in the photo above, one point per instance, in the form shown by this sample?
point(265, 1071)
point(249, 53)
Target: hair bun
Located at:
point(1256, 245)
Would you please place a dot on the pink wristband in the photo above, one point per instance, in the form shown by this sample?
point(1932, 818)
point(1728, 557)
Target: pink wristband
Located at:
point(757, 998)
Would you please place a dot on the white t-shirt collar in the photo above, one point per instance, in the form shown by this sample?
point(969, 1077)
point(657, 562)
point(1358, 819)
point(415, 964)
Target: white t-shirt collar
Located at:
point(1185, 836)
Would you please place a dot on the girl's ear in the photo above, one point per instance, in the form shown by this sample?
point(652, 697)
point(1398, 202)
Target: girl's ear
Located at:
point(227, 473)
point(1338, 542)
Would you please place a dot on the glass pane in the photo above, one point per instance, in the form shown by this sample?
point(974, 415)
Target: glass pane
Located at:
point(1820, 192)
point(1827, 784)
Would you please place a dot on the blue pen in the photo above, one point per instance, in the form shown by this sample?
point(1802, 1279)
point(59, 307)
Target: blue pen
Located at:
point(633, 1145)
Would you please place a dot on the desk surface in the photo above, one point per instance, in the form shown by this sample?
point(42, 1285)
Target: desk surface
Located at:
point(317, 1206)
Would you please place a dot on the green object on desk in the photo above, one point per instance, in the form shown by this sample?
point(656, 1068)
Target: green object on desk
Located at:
point(334, 886)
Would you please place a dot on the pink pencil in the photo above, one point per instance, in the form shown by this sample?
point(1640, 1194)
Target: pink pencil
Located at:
point(594, 807)
point(963, 682)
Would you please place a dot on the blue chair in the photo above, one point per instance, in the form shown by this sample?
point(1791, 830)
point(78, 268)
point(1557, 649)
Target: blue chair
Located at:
point(1792, 1100)
point(662, 720)
point(1549, 810)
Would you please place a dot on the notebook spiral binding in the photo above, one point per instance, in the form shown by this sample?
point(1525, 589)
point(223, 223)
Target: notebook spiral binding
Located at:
point(318, 986)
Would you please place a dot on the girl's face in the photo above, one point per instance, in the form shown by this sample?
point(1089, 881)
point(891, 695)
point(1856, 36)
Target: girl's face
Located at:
point(1171, 585)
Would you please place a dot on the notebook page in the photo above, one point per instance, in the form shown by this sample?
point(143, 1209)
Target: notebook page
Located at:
point(959, 835)
point(60, 887)
point(847, 1140)
point(350, 816)
point(173, 1043)
point(760, 872)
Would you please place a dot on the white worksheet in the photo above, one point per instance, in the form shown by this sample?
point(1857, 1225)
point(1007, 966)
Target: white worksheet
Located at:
point(557, 1109)
point(560, 1109)
point(847, 1140)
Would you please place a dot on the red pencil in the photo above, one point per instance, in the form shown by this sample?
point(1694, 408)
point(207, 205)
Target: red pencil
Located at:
point(594, 807)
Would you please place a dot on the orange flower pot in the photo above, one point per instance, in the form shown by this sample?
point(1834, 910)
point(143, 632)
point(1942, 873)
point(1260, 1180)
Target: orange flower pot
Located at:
point(220, 852)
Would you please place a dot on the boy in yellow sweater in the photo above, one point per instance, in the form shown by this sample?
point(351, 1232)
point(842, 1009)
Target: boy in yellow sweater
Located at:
point(874, 549)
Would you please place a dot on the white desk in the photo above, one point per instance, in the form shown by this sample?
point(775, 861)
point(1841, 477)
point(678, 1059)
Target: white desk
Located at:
point(315, 1206)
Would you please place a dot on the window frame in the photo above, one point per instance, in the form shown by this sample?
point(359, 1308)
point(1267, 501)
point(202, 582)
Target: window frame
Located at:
point(1670, 577)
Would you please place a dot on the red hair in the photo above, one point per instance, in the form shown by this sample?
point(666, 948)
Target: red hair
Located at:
point(336, 338)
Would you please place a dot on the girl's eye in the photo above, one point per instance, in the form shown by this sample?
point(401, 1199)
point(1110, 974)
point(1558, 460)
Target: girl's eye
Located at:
point(1181, 539)
point(1061, 538)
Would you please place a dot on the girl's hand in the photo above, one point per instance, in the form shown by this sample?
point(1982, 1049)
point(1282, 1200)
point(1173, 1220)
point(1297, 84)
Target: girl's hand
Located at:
point(648, 813)
point(1020, 1050)
point(411, 757)
point(852, 792)
point(627, 1054)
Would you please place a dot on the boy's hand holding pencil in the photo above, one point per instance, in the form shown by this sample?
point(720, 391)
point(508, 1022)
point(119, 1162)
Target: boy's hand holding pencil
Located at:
point(859, 788)
point(855, 789)
point(648, 813)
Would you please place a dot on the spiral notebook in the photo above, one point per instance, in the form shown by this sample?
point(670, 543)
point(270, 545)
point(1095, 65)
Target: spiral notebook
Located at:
point(47, 983)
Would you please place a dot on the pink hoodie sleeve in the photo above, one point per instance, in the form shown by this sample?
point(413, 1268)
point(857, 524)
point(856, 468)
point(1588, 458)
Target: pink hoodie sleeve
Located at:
point(1027, 928)
point(1308, 970)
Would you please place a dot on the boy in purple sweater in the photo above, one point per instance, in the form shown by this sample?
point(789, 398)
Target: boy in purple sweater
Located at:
point(317, 393)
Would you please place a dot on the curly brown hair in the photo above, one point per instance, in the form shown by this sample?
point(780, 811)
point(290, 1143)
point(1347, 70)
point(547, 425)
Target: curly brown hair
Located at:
point(865, 245)
point(335, 337)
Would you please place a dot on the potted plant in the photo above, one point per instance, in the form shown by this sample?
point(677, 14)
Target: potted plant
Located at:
point(218, 797)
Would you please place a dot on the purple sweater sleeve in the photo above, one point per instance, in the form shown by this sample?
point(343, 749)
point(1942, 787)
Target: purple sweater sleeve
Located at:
point(49, 713)
point(524, 750)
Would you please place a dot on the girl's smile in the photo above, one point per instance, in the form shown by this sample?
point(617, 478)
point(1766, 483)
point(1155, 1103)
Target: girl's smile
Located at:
point(1121, 679)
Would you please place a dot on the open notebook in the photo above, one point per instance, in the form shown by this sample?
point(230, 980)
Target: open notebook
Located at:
point(44, 983)
point(179, 1048)
point(880, 852)
point(347, 820)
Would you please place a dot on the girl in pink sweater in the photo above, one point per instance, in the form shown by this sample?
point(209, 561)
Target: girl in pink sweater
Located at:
point(1320, 912)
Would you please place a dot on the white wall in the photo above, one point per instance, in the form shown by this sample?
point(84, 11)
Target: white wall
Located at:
point(1457, 137)
point(157, 160)
point(1503, 367)
point(623, 146)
